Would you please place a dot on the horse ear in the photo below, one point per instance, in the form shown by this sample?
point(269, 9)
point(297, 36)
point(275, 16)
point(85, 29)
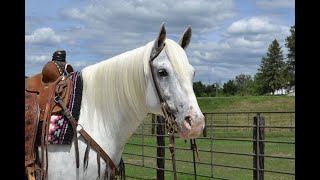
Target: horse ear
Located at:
point(185, 38)
point(159, 42)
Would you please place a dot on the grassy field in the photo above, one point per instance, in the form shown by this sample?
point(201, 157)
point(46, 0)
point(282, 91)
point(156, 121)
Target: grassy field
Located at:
point(247, 103)
point(222, 104)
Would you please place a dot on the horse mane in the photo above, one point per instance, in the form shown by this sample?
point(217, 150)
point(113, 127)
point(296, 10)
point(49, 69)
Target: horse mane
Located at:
point(117, 85)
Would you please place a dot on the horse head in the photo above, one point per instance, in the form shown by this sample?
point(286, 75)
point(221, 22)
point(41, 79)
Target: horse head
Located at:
point(171, 83)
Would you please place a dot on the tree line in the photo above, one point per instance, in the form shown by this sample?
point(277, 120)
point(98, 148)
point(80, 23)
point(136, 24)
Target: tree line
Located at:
point(275, 72)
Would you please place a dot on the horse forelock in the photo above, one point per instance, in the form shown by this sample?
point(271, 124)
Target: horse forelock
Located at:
point(176, 56)
point(178, 59)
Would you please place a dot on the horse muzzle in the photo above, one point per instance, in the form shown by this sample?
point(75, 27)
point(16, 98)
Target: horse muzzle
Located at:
point(191, 126)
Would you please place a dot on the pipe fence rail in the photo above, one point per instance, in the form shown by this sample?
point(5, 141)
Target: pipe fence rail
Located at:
point(234, 145)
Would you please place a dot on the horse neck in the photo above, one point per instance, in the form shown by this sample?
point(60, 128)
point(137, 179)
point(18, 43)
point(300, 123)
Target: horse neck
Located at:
point(113, 102)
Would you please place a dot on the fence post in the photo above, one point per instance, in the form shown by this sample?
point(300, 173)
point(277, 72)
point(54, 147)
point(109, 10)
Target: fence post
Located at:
point(227, 122)
point(153, 123)
point(142, 147)
point(204, 132)
point(160, 148)
point(211, 143)
point(258, 147)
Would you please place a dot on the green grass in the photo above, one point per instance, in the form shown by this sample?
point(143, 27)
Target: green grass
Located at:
point(205, 157)
point(222, 104)
point(247, 103)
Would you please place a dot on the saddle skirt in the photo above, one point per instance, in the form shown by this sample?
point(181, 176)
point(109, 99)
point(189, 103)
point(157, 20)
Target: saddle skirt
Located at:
point(32, 114)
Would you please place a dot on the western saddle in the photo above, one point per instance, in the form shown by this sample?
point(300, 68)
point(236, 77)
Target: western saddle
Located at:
point(40, 92)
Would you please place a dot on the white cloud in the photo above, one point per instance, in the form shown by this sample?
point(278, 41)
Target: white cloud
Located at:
point(43, 36)
point(128, 15)
point(272, 4)
point(78, 65)
point(38, 58)
point(253, 25)
point(241, 42)
point(255, 34)
point(240, 50)
point(98, 30)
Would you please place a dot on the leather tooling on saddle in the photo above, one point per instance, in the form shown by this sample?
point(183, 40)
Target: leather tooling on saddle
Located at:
point(57, 93)
point(31, 124)
point(40, 92)
point(40, 85)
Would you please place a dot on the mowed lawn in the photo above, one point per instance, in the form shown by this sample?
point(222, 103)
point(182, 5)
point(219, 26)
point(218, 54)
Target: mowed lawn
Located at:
point(205, 145)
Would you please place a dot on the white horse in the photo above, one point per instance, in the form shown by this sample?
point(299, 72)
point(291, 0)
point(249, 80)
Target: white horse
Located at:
point(117, 95)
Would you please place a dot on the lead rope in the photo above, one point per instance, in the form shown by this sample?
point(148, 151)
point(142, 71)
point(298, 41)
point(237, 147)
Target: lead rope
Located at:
point(194, 148)
point(171, 128)
point(170, 125)
point(172, 151)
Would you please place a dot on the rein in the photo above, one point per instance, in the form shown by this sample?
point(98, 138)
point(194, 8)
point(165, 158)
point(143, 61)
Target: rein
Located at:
point(90, 142)
point(170, 125)
point(61, 84)
point(170, 122)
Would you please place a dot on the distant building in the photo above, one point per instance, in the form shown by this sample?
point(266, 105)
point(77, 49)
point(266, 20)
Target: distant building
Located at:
point(283, 91)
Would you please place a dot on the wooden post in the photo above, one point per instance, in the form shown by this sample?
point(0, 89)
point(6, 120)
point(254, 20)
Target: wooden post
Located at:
point(142, 140)
point(227, 122)
point(160, 150)
point(153, 123)
point(193, 148)
point(204, 132)
point(258, 147)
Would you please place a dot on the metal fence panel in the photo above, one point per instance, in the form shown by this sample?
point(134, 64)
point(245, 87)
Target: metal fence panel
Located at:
point(229, 148)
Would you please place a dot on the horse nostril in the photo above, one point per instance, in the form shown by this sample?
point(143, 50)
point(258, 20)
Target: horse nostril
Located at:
point(188, 119)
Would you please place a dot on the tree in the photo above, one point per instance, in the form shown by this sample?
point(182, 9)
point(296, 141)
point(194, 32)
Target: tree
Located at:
point(209, 90)
point(291, 58)
point(242, 81)
point(270, 73)
point(199, 88)
point(230, 88)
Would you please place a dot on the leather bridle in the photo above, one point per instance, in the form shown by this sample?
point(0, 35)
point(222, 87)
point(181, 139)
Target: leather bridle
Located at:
point(170, 122)
point(163, 104)
point(169, 117)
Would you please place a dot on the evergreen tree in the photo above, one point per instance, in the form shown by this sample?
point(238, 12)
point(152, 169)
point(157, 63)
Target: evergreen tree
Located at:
point(270, 73)
point(291, 58)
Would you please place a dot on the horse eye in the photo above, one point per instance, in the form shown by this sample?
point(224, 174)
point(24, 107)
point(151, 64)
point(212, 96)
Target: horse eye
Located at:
point(162, 73)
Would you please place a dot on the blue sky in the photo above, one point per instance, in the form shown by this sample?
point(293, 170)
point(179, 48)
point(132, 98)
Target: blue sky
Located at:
point(229, 37)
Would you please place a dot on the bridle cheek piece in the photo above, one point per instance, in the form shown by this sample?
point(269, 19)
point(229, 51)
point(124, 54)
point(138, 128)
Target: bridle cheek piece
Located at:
point(169, 117)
